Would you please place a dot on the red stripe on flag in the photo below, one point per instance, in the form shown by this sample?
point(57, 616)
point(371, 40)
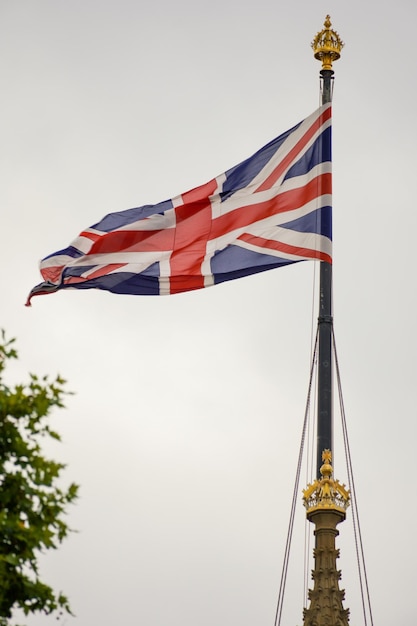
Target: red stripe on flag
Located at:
point(89, 235)
point(290, 157)
point(193, 225)
point(134, 241)
point(284, 202)
point(199, 194)
point(52, 274)
point(104, 270)
point(280, 246)
point(101, 271)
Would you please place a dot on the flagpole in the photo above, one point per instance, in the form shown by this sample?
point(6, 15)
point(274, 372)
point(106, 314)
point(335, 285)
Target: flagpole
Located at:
point(325, 321)
point(326, 49)
point(326, 500)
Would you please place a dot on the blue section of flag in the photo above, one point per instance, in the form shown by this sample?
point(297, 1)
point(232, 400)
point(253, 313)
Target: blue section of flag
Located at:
point(236, 262)
point(241, 175)
point(123, 283)
point(113, 221)
point(70, 251)
point(319, 222)
point(319, 152)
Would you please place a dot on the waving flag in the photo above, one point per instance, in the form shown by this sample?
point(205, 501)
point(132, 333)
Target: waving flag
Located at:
point(270, 210)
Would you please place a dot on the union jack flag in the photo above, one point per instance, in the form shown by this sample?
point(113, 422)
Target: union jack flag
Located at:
point(271, 210)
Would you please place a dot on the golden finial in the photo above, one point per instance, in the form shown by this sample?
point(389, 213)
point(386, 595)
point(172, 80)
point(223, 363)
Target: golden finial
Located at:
point(326, 493)
point(327, 45)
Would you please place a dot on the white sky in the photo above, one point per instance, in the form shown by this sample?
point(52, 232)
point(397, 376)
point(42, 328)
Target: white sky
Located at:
point(185, 427)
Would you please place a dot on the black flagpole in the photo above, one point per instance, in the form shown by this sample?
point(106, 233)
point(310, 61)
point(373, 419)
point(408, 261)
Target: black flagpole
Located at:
point(325, 321)
point(327, 46)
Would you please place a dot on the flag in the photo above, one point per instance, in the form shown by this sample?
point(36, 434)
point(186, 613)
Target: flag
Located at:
point(271, 210)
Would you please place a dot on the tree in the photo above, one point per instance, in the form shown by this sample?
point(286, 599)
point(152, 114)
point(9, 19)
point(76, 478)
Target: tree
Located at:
point(32, 504)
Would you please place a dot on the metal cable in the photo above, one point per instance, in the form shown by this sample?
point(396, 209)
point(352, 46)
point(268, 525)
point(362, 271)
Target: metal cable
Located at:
point(363, 577)
point(281, 592)
point(355, 513)
point(310, 445)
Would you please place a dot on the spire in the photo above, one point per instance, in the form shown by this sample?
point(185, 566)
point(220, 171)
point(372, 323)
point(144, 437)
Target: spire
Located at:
point(326, 501)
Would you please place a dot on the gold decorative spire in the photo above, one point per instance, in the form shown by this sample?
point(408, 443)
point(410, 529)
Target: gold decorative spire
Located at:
point(326, 501)
point(326, 493)
point(327, 45)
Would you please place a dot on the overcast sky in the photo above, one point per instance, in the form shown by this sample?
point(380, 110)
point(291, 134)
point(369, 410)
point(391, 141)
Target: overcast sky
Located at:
point(185, 425)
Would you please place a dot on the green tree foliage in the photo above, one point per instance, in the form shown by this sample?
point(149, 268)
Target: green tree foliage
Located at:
point(32, 505)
